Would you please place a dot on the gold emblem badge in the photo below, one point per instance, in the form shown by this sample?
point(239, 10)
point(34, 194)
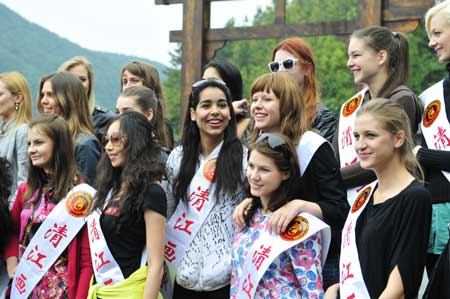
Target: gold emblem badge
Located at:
point(78, 204)
point(209, 169)
point(361, 199)
point(351, 105)
point(431, 113)
point(296, 229)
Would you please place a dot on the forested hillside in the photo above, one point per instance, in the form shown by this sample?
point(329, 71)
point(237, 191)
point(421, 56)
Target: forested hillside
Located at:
point(35, 51)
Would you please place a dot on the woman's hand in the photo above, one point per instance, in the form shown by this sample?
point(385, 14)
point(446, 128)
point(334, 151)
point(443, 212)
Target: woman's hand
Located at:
point(332, 292)
point(241, 211)
point(240, 107)
point(11, 266)
point(281, 218)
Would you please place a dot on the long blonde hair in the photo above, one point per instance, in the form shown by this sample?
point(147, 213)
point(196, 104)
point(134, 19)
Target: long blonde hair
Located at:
point(17, 84)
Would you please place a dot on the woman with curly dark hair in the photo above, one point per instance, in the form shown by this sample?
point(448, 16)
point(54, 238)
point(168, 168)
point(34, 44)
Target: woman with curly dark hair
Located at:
point(129, 212)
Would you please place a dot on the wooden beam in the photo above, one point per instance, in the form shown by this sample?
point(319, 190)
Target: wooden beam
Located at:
point(280, 11)
point(274, 31)
point(370, 13)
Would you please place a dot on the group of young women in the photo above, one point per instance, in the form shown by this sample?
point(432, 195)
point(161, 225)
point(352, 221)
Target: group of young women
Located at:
point(309, 207)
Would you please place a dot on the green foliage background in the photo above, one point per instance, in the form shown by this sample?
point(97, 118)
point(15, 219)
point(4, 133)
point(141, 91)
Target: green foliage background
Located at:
point(335, 80)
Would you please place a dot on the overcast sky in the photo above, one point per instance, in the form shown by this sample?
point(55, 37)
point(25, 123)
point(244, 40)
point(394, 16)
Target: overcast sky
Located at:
point(135, 27)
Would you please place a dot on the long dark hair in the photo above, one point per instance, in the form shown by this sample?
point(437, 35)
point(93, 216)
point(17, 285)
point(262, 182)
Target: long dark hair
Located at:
point(5, 191)
point(285, 158)
point(143, 166)
point(63, 164)
point(228, 174)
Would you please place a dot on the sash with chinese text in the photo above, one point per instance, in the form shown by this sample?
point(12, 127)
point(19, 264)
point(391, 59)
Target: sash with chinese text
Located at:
point(346, 140)
point(51, 239)
point(351, 279)
point(435, 123)
point(269, 246)
point(307, 147)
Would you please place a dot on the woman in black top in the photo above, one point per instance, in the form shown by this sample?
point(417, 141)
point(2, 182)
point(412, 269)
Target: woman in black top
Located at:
point(133, 203)
point(392, 230)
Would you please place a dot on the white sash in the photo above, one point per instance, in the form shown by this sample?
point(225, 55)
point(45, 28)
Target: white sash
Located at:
point(346, 140)
point(106, 269)
point(51, 239)
point(435, 122)
point(269, 246)
point(351, 279)
point(189, 217)
point(307, 147)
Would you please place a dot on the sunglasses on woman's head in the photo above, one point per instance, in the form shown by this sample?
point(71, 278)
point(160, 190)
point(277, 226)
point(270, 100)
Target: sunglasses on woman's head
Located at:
point(201, 82)
point(116, 139)
point(287, 65)
point(273, 140)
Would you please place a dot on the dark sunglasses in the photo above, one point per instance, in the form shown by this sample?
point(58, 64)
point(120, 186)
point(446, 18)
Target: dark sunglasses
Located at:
point(273, 140)
point(116, 139)
point(204, 81)
point(287, 65)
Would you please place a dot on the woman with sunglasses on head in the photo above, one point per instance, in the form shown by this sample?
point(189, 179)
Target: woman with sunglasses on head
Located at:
point(288, 265)
point(294, 56)
point(379, 60)
point(385, 237)
point(143, 100)
point(82, 68)
point(277, 108)
point(228, 73)
point(63, 94)
point(137, 73)
point(434, 152)
point(48, 250)
point(15, 113)
point(129, 212)
point(205, 178)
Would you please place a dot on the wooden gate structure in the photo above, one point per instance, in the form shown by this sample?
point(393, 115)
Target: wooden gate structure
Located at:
point(200, 42)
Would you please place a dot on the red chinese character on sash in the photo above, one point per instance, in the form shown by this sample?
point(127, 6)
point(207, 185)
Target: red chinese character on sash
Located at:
point(442, 139)
point(94, 231)
point(56, 234)
point(169, 251)
point(99, 261)
point(179, 226)
point(38, 258)
point(347, 275)
point(247, 286)
point(346, 239)
point(347, 137)
point(21, 283)
point(260, 256)
point(352, 296)
point(199, 199)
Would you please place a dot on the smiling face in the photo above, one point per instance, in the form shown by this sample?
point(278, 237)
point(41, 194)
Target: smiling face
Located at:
point(49, 102)
point(212, 113)
point(115, 145)
point(263, 176)
point(440, 36)
point(365, 64)
point(265, 109)
point(40, 149)
point(375, 146)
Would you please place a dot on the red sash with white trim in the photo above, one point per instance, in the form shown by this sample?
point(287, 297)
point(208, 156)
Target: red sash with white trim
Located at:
point(435, 122)
point(351, 279)
point(307, 147)
point(51, 239)
point(269, 246)
point(346, 140)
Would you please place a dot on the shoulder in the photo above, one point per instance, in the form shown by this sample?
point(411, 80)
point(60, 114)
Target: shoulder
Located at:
point(102, 112)
point(86, 139)
point(155, 199)
point(400, 92)
point(416, 194)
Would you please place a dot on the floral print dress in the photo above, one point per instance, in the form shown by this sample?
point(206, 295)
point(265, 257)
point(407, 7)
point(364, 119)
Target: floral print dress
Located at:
point(295, 273)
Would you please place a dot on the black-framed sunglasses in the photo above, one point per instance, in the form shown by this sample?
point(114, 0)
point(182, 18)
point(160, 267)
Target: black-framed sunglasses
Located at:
point(203, 81)
point(274, 140)
point(116, 139)
point(287, 65)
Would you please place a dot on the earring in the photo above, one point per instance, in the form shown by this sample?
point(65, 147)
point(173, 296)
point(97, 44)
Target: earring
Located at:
point(17, 106)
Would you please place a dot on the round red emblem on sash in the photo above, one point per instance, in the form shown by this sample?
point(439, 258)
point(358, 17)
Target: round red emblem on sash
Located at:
point(351, 106)
point(431, 113)
point(209, 169)
point(296, 229)
point(78, 204)
point(361, 199)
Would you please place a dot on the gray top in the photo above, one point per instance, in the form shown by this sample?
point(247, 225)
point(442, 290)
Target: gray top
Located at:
point(14, 146)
